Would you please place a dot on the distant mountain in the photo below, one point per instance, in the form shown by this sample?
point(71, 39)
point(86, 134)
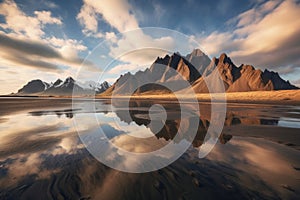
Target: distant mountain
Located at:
point(92, 85)
point(197, 69)
point(62, 88)
point(34, 86)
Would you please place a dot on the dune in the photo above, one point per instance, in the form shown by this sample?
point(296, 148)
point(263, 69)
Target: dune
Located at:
point(268, 97)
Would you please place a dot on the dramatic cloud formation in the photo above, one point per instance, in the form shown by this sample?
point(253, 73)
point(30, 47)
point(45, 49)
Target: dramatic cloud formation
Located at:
point(124, 21)
point(138, 48)
point(39, 54)
point(18, 22)
point(266, 36)
point(117, 13)
point(45, 17)
point(24, 42)
point(28, 47)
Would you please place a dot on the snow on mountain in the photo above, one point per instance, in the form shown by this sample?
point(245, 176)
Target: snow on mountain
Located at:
point(66, 87)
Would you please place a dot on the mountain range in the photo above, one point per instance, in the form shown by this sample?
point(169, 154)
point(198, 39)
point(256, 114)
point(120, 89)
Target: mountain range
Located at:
point(62, 88)
point(168, 74)
point(197, 70)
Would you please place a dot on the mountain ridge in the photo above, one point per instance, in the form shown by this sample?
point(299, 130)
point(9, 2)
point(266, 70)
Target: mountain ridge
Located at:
point(166, 71)
point(62, 88)
point(168, 74)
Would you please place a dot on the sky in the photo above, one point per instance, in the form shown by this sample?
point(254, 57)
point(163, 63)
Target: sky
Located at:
point(99, 40)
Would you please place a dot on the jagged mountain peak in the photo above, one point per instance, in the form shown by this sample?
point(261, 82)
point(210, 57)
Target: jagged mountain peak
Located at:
point(223, 58)
point(196, 52)
point(198, 59)
point(163, 60)
point(57, 82)
point(174, 70)
point(69, 80)
point(195, 64)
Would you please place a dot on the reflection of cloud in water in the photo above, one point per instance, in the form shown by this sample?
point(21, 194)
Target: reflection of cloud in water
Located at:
point(289, 122)
point(138, 145)
point(272, 163)
point(67, 145)
point(22, 165)
point(133, 154)
point(27, 141)
point(69, 113)
point(112, 120)
point(47, 159)
point(22, 134)
point(25, 166)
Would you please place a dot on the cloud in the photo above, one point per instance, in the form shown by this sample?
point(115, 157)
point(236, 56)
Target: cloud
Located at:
point(255, 14)
point(140, 49)
point(27, 53)
point(38, 54)
point(24, 42)
point(18, 22)
point(50, 4)
point(58, 42)
point(123, 68)
point(126, 46)
point(20, 59)
point(45, 17)
point(28, 47)
point(266, 36)
point(117, 13)
point(296, 82)
point(87, 17)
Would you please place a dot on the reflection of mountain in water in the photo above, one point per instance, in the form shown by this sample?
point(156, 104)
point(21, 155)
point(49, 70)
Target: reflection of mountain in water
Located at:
point(69, 113)
point(172, 126)
point(237, 118)
point(138, 112)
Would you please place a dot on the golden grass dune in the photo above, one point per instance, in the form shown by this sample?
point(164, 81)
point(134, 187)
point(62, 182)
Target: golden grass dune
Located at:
point(278, 96)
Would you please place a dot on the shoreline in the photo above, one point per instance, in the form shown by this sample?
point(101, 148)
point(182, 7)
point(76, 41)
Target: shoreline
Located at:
point(289, 97)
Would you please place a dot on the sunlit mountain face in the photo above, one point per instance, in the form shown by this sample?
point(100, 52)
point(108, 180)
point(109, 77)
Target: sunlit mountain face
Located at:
point(177, 73)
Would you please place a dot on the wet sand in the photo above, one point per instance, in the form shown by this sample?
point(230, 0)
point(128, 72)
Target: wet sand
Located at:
point(42, 157)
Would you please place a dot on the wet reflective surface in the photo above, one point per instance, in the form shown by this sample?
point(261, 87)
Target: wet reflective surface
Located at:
point(42, 157)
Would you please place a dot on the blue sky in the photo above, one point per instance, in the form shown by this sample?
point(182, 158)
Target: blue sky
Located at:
point(55, 39)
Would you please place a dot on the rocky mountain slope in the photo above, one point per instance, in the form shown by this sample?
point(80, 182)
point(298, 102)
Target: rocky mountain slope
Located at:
point(196, 70)
point(171, 73)
point(240, 79)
